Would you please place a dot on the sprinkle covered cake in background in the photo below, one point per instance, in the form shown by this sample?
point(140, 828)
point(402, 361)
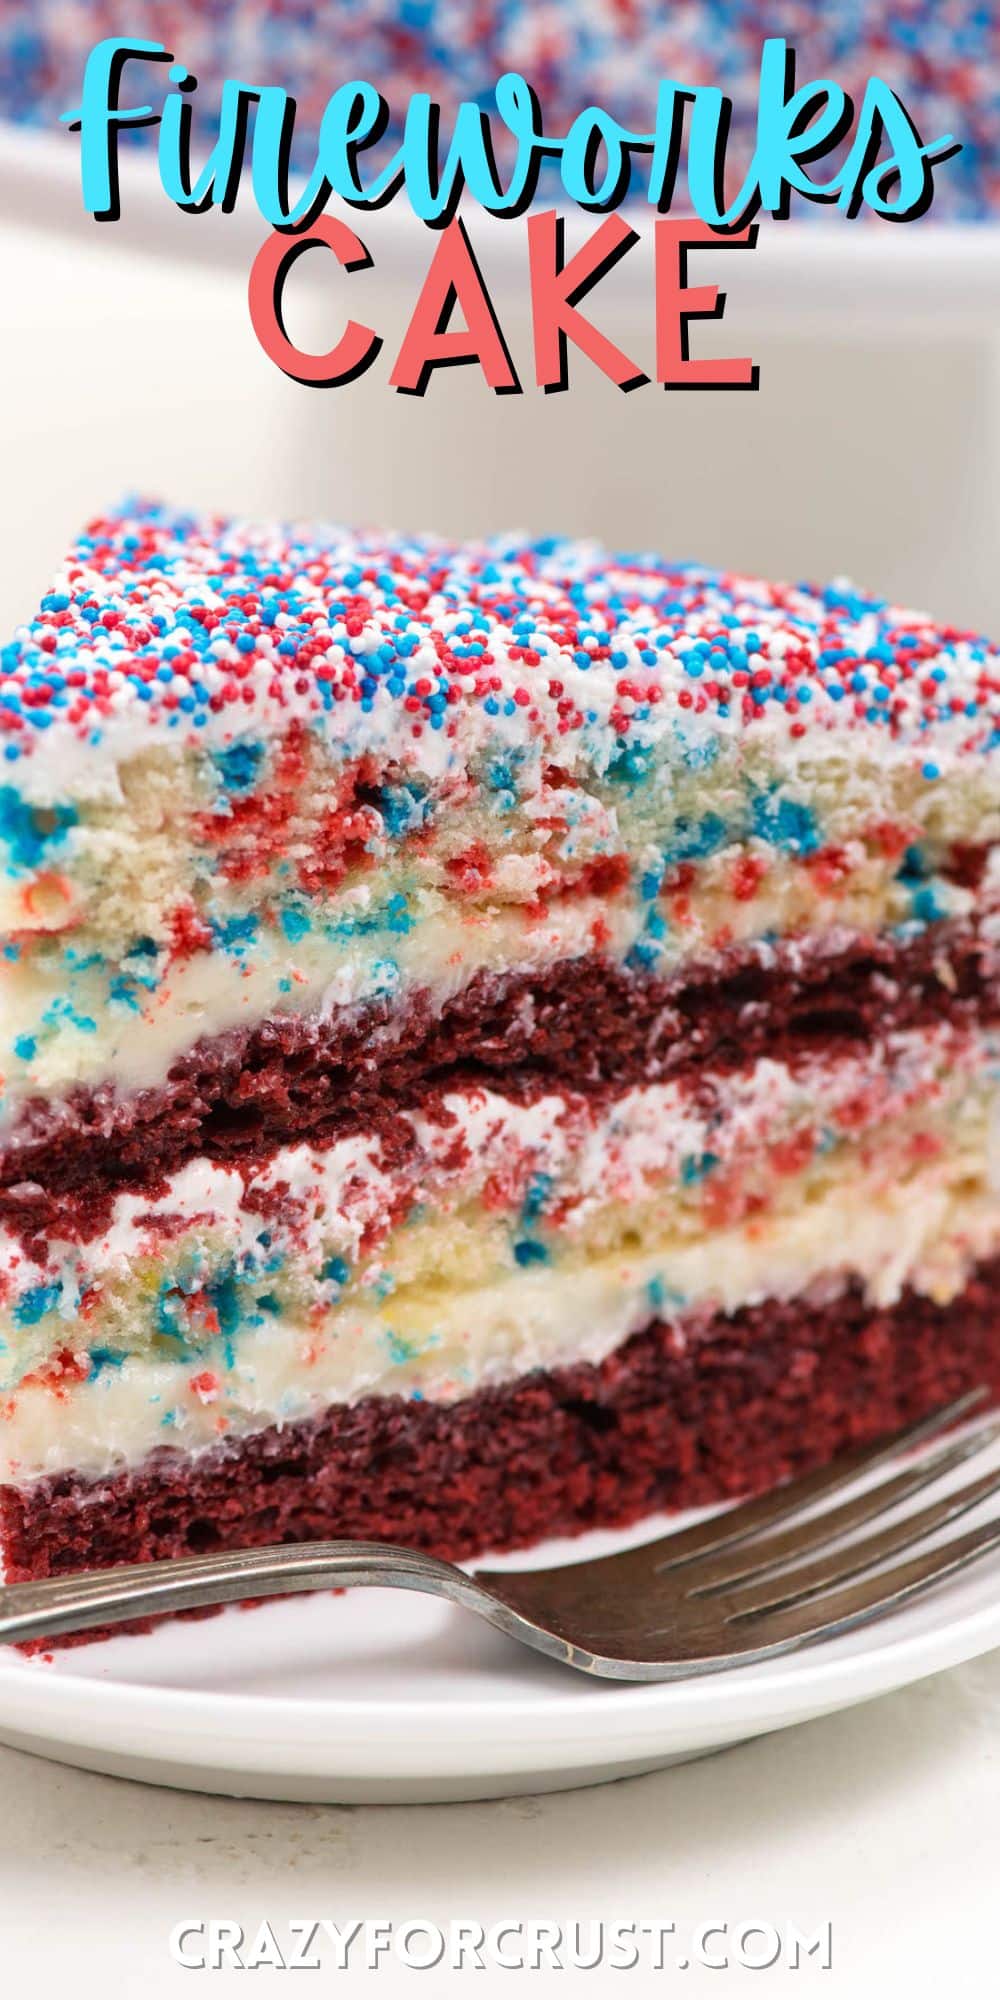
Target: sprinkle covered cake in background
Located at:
point(494, 1039)
point(942, 57)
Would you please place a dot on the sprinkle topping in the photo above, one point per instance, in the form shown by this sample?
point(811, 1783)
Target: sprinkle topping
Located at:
point(164, 626)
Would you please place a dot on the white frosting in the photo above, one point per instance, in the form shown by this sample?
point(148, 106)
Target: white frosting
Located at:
point(483, 1155)
point(927, 1235)
point(59, 1033)
point(595, 620)
point(203, 707)
point(214, 992)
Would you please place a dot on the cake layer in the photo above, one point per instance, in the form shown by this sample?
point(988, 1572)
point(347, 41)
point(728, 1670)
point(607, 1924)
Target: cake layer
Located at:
point(256, 774)
point(204, 965)
point(664, 1422)
point(449, 992)
point(491, 1238)
point(90, 1415)
point(585, 1024)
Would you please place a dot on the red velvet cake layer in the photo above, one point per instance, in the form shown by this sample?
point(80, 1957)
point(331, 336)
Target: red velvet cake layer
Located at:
point(585, 1024)
point(667, 1421)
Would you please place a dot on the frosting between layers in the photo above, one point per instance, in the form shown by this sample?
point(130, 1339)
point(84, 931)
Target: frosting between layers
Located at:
point(524, 1180)
point(252, 772)
point(493, 1236)
point(580, 1024)
point(72, 1017)
point(929, 1236)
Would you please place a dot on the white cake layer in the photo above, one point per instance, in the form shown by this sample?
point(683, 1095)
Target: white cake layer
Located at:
point(251, 769)
point(476, 1185)
point(92, 1412)
point(60, 1028)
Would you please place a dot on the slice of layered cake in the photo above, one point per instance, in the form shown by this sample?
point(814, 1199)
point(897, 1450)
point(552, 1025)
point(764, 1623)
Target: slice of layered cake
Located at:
point(494, 1040)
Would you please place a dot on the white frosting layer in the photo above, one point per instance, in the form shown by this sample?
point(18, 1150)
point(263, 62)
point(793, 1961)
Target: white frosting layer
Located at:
point(484, 1176)
point(928, 1237)
point(542, 1235)
point(225, 744)
point(128, 1022)
point(573, 637)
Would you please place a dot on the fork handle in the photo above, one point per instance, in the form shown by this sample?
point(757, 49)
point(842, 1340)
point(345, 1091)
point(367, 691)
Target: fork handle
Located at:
point(30, 1611)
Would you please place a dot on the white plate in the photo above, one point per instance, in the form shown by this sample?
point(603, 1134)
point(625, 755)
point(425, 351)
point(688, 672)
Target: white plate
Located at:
point(379, 1696)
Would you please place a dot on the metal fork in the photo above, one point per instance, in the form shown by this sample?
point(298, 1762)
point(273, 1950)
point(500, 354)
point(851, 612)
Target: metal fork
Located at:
point(734, 1588)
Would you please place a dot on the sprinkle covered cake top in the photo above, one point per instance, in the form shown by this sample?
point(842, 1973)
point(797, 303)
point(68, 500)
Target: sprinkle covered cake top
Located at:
point(166, 627)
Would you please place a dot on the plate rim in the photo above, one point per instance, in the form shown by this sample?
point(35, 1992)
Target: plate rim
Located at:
point(965, 1636)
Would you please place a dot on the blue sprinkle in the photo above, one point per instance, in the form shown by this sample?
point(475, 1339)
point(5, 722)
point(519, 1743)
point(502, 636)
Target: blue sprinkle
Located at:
point(103, 1358)
point(239, 763)
point(784, 823)
point(35, 1303)
point(295, 923)
point(30, 830)
point(527, 1252)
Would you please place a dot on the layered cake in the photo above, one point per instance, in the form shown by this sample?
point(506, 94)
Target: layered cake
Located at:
point(494, 1040)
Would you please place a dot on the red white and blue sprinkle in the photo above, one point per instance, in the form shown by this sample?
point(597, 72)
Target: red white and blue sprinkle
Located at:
point(163, 626)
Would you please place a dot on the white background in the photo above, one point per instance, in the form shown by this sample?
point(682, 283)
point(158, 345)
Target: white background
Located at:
point(884, 1820)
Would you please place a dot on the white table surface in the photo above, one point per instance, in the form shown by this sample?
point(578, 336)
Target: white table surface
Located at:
point(884, 1820)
